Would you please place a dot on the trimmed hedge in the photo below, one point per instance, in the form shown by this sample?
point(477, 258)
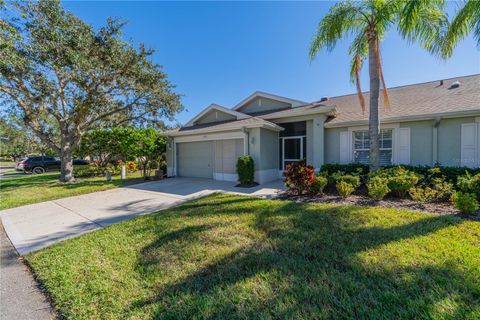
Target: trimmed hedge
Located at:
point(450, 173)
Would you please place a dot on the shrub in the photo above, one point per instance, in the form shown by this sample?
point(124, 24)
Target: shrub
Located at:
point(352, 168)
point(423, 195)
point(444, 189)
point(350, 179)
point(378, 187)
point(131, 166)
point(346, 184)
point(298, 177)
point(318, 184)
point(245, 169)
point(344, 188)
point(400, 180)
point(83, 171)
point(465, 202)
point(470, 184)
point(449, 174)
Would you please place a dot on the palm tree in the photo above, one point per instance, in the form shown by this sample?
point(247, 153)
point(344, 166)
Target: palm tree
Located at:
point(368, 22)
point(467, 19)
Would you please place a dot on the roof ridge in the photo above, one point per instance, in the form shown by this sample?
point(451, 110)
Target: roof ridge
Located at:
point(402, 86)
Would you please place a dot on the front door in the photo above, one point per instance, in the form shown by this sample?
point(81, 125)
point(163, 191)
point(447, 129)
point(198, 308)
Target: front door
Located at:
point(293, 150)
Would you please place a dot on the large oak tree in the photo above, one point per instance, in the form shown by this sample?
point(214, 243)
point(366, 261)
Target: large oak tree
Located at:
point(64, 78)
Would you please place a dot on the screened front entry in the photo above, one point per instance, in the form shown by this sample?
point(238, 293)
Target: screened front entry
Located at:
point(292, 143)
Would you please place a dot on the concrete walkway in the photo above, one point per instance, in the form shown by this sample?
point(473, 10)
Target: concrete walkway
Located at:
point(35, 226)
point(20, 297)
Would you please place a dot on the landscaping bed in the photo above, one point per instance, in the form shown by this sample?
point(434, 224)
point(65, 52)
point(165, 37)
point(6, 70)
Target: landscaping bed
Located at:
point(441, 208)
point(428, 189)
point(233, 257)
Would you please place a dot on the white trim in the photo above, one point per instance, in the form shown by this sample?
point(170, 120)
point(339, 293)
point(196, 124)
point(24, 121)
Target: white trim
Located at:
point(429, 116)
point(235, 126)
point(477, 121)
point(345, 146)
point(268, 96)
point(214, 106)
point(464, 158)
point(283, 148)
point(213, 136)
point(403, 151)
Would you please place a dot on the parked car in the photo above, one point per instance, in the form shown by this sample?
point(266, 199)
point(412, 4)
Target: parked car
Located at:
point(41, 164)
point(19, 164)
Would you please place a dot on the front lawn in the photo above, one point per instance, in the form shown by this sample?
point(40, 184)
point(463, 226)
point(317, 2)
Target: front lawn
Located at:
point(7, 163)
point(21, 189)
point(228, 257)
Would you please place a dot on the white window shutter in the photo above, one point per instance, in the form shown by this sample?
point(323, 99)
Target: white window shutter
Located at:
point(403, 146)
point(345, 147)
point(469, 144)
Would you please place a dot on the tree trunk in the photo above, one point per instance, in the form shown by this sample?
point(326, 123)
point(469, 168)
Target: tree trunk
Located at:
point(66, 167)
point(374, 123)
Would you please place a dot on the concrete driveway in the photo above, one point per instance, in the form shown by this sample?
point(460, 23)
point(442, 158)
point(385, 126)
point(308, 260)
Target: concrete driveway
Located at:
point(38, 225)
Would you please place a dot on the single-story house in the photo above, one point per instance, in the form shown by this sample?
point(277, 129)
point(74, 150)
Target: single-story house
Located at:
point(428, 123)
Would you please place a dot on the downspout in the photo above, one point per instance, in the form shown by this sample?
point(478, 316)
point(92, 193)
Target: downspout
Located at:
point(435, 141)
point(246, 141)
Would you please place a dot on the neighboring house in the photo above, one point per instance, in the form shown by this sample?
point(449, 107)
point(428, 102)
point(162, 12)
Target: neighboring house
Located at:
point(426, 124)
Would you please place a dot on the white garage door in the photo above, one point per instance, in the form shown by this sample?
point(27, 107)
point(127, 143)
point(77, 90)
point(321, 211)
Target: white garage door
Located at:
point(227, 153)
point(195, 159)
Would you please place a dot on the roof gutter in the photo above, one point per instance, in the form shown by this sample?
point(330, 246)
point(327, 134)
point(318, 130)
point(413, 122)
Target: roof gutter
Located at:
point(329, 110)
point(429, 116)
point(269, 126)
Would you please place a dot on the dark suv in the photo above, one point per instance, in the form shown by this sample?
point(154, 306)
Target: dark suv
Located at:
point(40, 164)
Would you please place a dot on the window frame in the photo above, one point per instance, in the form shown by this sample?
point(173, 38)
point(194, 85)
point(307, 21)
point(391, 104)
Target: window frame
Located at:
point(392, 148)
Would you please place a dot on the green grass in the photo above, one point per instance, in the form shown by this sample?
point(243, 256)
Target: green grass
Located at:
point(21, 189)
point(229, 257)
point(4, 163)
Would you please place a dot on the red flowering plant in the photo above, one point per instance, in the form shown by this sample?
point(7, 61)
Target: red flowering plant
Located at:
point(299, 177)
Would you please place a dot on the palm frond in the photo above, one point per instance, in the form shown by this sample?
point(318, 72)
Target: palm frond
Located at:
point(466, 19)
point(423, 21)
point(342, 19)
point(359, 52)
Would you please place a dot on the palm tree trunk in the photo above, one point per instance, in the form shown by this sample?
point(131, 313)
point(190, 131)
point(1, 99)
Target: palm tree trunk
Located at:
point(373, 123)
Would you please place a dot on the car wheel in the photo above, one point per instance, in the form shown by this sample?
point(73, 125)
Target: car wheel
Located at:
point(38, 170)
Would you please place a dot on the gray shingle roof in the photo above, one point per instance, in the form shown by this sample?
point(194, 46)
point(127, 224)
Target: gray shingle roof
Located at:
point(224, 126)
point(416, 99)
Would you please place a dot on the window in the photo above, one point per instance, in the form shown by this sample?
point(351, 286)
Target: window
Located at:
point(361, 146)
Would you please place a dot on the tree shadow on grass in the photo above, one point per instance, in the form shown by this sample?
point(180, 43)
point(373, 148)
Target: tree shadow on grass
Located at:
point(24, 180)
point(307, 265)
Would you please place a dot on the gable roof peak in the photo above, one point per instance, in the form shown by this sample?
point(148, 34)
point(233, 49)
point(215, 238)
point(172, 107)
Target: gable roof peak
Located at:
point(262, 94)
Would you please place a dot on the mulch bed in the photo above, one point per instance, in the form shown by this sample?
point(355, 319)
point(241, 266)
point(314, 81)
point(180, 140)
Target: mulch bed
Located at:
point(246, 185)
point(361, 199)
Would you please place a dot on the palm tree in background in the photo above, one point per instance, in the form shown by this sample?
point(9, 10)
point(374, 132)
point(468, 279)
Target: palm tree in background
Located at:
point(368, 22)
point(466, 20)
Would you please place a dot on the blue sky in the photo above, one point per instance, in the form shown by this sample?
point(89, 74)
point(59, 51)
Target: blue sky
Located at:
point(221, 52)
